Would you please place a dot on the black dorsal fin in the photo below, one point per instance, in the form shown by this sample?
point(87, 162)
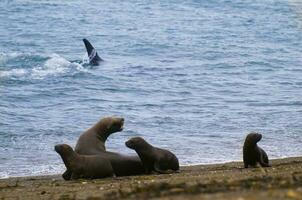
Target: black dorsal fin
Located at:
point(94, 58)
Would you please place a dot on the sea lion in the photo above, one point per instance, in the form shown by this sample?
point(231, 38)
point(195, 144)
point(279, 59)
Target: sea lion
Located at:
point(153, 158)
point(80, 166)
point(92, 142)
point(252, 154)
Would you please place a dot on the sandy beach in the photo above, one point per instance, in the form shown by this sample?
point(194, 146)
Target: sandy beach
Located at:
point(216, 181)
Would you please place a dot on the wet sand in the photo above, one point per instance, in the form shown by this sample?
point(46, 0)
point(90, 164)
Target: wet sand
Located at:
point(218, 181)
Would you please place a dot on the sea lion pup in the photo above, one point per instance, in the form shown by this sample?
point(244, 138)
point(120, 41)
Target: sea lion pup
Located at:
point(252, 154)
point(153, 158)
point(80, 166)
point(92, 142)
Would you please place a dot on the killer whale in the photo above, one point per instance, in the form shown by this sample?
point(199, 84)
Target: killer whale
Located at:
point(94, 58)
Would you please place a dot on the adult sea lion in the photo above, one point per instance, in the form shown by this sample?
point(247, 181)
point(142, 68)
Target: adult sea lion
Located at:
point(252, 154)
point(92, 142)
point(153, 158)
point(82, 166)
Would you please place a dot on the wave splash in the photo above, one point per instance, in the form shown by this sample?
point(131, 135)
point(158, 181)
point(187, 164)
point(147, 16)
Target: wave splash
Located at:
point(38, 169)
point(23, 65)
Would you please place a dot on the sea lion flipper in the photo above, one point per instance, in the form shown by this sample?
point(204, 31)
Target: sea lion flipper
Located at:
point(161, 166)
point(158, 169)
point(264, 156)
point(67, 175)
point(161, 171)
point(75, 176)
point(263, 160)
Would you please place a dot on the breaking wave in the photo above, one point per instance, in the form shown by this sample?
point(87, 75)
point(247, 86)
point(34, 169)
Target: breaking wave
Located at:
point(23, 65)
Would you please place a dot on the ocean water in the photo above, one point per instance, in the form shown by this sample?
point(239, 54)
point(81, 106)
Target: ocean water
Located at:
point(191, 76)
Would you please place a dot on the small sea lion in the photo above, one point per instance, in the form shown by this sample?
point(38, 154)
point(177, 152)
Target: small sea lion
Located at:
point(153, 158)
point(80, 166)
point(252, 154)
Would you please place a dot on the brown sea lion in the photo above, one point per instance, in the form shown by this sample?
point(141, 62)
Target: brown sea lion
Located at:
point(92, 142)
point(80, 166)
point(153, 158)
point(252, 154)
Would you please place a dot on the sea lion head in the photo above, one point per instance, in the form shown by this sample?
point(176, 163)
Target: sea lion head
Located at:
point(252, 138)
point(136, 143)
point(112, 124)
point(67, 154)
point(63, 149)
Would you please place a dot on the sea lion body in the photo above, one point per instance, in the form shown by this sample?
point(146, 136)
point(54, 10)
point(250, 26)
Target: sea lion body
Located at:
point(153, 158)
point(92, 142)
point(80, 166)
point(124, 165)
point(252, 153)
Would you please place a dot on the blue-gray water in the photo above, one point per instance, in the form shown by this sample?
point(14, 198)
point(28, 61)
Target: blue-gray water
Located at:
point(190, 76)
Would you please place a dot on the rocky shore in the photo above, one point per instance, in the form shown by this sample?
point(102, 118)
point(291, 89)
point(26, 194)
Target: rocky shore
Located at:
point(218, 181)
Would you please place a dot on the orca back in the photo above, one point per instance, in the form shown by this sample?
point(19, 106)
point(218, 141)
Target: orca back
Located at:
point(93, 56)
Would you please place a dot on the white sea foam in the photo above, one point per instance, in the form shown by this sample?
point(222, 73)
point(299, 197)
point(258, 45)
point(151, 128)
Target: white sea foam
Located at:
point(5, 57)
point(56, 65)
point(53, 66)
point(4, 175)
point(48, 169)
point(12, 55)
point(36, 170)
point(13, 72)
